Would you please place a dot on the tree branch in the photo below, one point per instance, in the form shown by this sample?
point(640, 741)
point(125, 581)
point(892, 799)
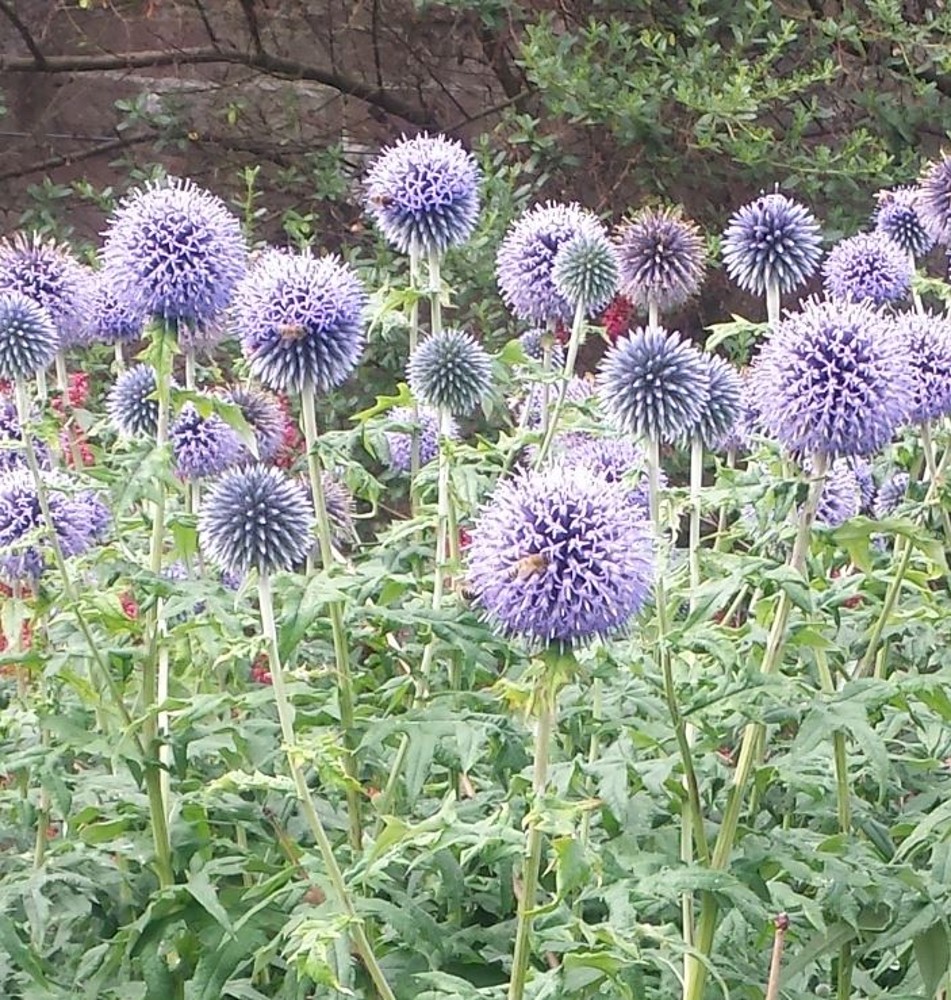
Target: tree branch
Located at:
point(39, 60)
point(272, 65)
point(89, 153)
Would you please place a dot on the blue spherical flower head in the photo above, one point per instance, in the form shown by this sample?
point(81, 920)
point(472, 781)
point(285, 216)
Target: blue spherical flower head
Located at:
point(255, 518)
point(450, 371)
point(897, 217)
point(28, 338)
point(585, 272)
point(841, 497)
point(339, 502)
point(662, 259)
point(399, 443)
point(526, 259)
point(12, 454)
point(867, 268)
point(423, 194)
point(131, 403)
point(557, 558)
point(46, 272)
point(772, 240)
point(264, 416)
point(203, 446)
point(301, 321)
point(863, 476)
point(890, 494)
point(739, 436)
point(176, 253)
point(114, 319)
point(617, 459)
point(934, 200)
point(928, 350)
point(833, 379)
point(533, 344)
point(724, 403)
point(653, 384)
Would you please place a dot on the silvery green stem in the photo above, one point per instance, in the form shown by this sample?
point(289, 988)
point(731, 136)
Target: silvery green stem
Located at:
point(915, 297)
point(653, 313)
point(546, 389)
point(577, 329)
point(435, 293)
point(41, 390)
point(285, 714)
point(773, 303)
point(414, 275)
point(696, 482)
point(120, 356)
point(62, 379)
point(191, 376)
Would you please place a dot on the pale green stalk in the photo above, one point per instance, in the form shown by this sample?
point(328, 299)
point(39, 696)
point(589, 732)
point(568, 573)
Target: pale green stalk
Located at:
point(696, 482)
point(915, 296)
point(574, 342)
point(653, 313)
point(414, 274)
point(62, 379)
point(120, 356)
point(773, 303)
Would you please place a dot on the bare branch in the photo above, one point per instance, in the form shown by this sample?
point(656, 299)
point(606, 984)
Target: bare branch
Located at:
point(254, 30)
point(89, 153)
point(39, 60)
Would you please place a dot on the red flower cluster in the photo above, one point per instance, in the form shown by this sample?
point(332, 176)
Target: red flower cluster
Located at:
point(73, 445)
point(292, 446)
point(130, 607)
point(26, 638)
point(259, 670)
point(617, 318)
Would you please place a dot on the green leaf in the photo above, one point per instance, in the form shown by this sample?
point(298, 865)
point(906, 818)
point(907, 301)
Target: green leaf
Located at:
point(932, 955)
point(204, 894)
point(572, 868)
point(23, 957)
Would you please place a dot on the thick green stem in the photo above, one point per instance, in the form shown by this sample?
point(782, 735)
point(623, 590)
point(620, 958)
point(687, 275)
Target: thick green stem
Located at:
point(120, 356)
point(574, 342)
point(335, 609)
point(545, 706)
point(414, 274)
point(594, 746)
point(653, 313)
point(915, 296)
point(696, 481)
point(191, 374)
point(843, 793)
point(773, 303)
point(62, 378)
point(285, 714)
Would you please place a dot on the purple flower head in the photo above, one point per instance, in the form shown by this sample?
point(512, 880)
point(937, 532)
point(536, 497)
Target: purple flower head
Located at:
point(526, 259)
point(12, 455)
point(131, 403)
point(28, 338)
point(265, 417)
point(772, 239)
point(833, 379)
point(113, 318)
point(654, 384)
point(867, 268)
point(898, 218)
point(863, 476)
point(934, 200)
point(558, 559)
point(450, 370)
point(529, 410)
point(423, 194)
point(255, 517)
point(617, 459)
point(890, 494)
point(399, 443)
point(339, 502)
point(662, 258)
point(301, 320)
point(841, 497)
point(739, 436)
point(79, 520)
point(585, 271)
point(928, 350)
point(176, 253)
point(724, 403)
point(533, 344)
point(203, 446)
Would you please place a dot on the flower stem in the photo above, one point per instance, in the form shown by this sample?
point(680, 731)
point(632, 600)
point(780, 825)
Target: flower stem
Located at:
point(773, 303)
point(414, 269)
point(843, 795)
point(120, 356)
point(594, 746)
point(574, 342)
point(915, 296)
point(335, 609)
point(285, 714)
point(696, 481)
point(62, 379)
point(653, 313)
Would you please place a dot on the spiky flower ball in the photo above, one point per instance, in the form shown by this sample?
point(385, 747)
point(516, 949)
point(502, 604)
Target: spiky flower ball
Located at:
point(131, 403)
point(833, 379)
point(339, 502)
point(724, 403)
point(423, 194)
point(654, 384)
point(12, 453)
point(934, 200)
point(863, 476)
point(739, 436)
point(301, 320)
point(47, 272)
point(28, 337)
point(526, 259)
point(113, 318)
point(79, 520)
point(254, 517)
point(585, 272)
point(265, 417)
point(898, 218)
point(928, 349)
point(772, 240)
point(662, 258)
point(867, 268)
point(618, 459)
point(399, 443)
point(557, 558)
point(890, 494)
point(450, 370)
point(203, 446)
point(175, 252)
point(534, 342)
point(841, 497)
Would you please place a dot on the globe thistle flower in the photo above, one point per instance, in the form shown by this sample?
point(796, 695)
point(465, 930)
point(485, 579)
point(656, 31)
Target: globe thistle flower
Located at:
point(339, 503)
point(833, 379)
point(79, 520)
point(176, 252)
point(890, 494)
point(928, 351)
point(449, 370)
point(423, 194)
point(399, 443)
point(841, 496)
point(662, 258)
point(557, 559)
point(772, 240)
point(867, 268)
point(12, 454)
point(254, 517)
point(934, 200)
point(863, 476)
point(724, 403)
point(617, 459)
point(533, 344)
point(28, 338)
point(897, 216)
point(746, 423)
point(301, 321)
point(131, 403)
point(528, 411)
point(654, 384)
point(203, 446)
point(526, 259)
point(47, 273)
point(264, 416)
point(113, 318)
point(585, 272)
